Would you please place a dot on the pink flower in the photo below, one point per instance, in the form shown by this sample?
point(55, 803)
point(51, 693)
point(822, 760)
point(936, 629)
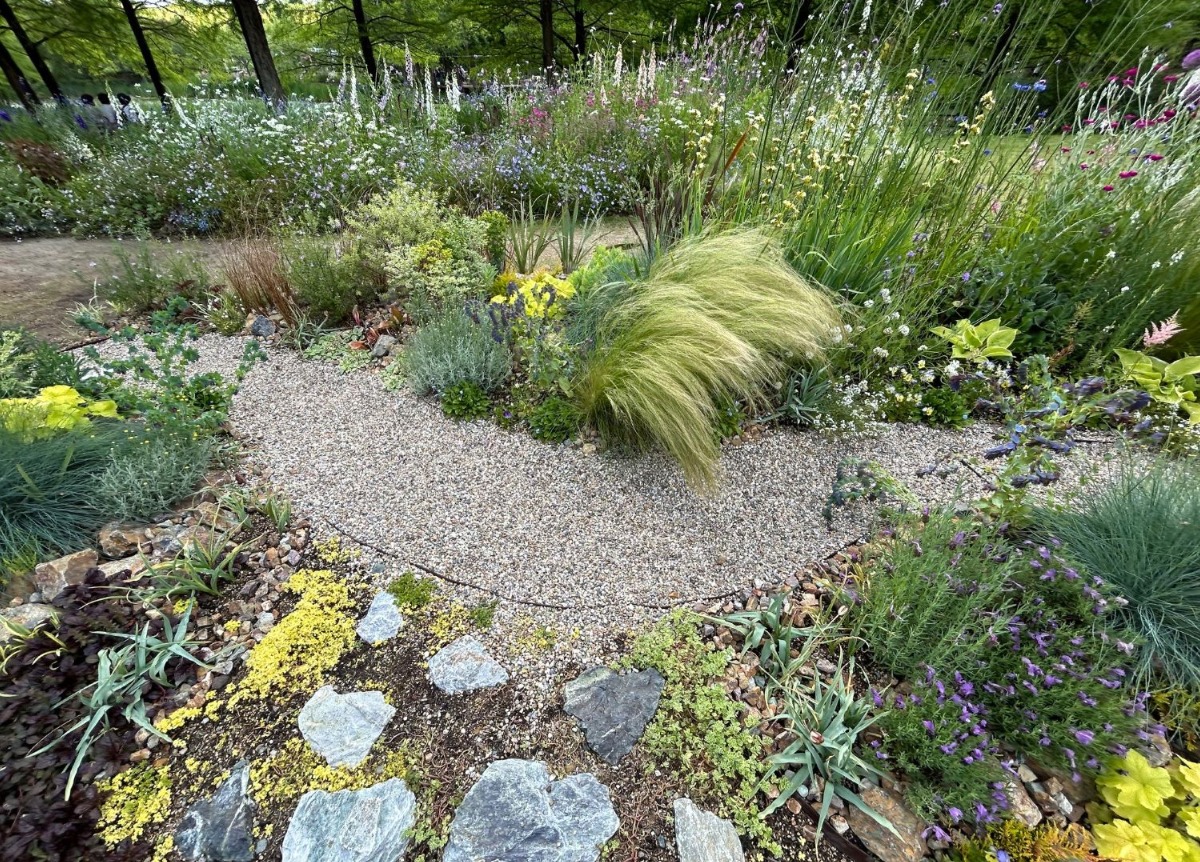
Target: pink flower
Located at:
point(1083, 166)
point(1083, 85)
point(1169, 113)
point(1065, 149)
point(1153, 157)
point(1170, 79)
point(1126, 175)
point(1107, 189)
point(1161, 333)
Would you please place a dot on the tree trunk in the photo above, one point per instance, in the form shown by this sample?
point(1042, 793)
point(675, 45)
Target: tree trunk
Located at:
point(35, 56)
point(364, 40)
point(580, 32)
point(546, 16)
point(998, 52)
point(16, 80)
point(139, 36)
point(251, 22)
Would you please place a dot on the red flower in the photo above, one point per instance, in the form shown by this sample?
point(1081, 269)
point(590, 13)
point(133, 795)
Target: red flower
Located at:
point(1108, 188)
point(1153, 157)
point(1083, 166)
point(1066, 149)
point(1125, 175)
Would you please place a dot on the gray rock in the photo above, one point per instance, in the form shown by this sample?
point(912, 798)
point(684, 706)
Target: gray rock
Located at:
point(905, 844)
point(517, 813)
point(27, 616)
point(369, 825)
point(1021, 804)
point(383, 346)
point(465, 665)
point(121, 540)
point(704, 837)
point(382, 621)
point(218, 829)
point(263, 327)
point(53, 577)
point(613, 709)
point(343, 727)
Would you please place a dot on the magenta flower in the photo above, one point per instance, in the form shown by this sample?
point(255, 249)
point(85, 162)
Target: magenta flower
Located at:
point(1191, 60)
point(1125, 175)
point(1083, 166)
point(1107, 189)
point(1153, 157)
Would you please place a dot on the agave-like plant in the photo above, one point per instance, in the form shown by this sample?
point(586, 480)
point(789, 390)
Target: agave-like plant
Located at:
point(718, 316)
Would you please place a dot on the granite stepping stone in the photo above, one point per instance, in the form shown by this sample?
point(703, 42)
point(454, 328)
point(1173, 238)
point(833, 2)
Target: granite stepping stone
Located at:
point(382, 621)
point(343, 727)
point(218, 829)
point(613, 708)
point(704, 837)
point(369, 825)
point(465, 665)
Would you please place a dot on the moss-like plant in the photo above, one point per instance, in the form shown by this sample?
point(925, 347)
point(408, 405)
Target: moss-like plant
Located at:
point(716, 319)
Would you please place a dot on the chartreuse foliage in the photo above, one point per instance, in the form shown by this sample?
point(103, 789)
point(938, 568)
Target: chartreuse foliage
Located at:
point(1157, 811)
point(978, 344)
point(53, 409)
point(716, 319)
point(1175, 384)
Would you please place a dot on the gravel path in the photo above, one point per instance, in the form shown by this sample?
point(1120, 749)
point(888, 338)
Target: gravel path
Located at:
point(605, 541)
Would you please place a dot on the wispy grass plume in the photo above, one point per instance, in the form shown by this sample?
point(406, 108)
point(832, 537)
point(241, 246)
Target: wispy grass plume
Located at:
point(715, 318)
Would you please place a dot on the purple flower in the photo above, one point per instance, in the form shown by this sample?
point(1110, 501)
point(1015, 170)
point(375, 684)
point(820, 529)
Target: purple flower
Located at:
point(1085, 737)
point(1192, 60)
point(930, 727)
point(955, 814)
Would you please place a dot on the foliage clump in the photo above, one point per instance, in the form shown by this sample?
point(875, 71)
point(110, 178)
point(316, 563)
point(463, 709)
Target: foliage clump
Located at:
point(1157, 811)
point(412, 592)
point(465, 402)
point(307, 643)
point(455, 349)
point(136, 800)
point(698, 732)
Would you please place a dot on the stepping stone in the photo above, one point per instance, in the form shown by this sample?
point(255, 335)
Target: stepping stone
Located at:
point(369, 825)
point(465, 665)
point(704, 837)
point(218, 829)
point(55, 576)
point(382, 621)
point(343, 727)
point(613, 708)
point(27, 616)
point(516, 812)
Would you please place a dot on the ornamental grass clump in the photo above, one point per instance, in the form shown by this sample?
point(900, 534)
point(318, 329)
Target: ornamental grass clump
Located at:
point(1141, 534)
point(716, 318)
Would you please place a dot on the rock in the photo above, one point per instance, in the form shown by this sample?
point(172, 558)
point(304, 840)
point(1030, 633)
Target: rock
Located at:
point(218, 829)
point(517, 812)
point(906, 845)
point(1026, 774)
point(613, 709)
point(262, 327)
point(112, 568)
point(465, 665)
point(1157, 751)
point(382, 621)
point(1021, 804)
point(1078, 792)
point(369, 825)
point(27, 616)
point(383, 346)
point(343, 727)
point(53, 577)
point(1069, 811)
point(120, 540)
point(704, 837)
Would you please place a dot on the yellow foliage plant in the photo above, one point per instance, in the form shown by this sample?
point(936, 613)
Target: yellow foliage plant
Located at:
point(53, 409)
point(1152, 814)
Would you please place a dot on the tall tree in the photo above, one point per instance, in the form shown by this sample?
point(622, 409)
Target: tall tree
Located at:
point(251, 22)
point(16, 80)
point(364, 39)
point(139, 36)
point(31, 50)
point(546, 19)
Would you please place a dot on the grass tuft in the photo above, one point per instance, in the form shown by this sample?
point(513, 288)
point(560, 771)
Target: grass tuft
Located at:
point(715, 320)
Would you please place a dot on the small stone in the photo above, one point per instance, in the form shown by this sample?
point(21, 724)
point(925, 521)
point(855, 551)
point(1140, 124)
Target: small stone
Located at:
point(704, 837)
point(262, 327)
point(1021, 804)
point(906, 844)
point(839, 823)
point(121, 540)
point(613, 709)
point(343, 727)
point(369, 825)
point(1026, 774)
point(465, 665)
point(516, 812)
point(218, 829)
point(1069, 811)
point(28, 616)
point(53, 577)
point(382, 621)
point(383, 346)
point(826, 667)
point(1157, 750)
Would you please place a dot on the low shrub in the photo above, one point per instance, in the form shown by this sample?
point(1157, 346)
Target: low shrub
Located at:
point(1141, 534)
point(465, 402)
point(139, 281)
point(257, 274)
point(147, 479)
point(455, 349)
point(327, 281)
point(555, 420)
point(717, 317)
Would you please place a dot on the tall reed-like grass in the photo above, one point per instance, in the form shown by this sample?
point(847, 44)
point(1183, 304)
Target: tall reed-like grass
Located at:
point(716, 317)
point(1141, 534)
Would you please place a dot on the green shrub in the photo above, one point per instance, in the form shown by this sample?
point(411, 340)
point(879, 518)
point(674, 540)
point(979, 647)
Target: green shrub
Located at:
point(717, 317)
point(1141, 534)
point(146, 480)
point(139, 281)
point(409, 591)
point(326, 280)
point(453, 349)
point(555, 420)
point(465, 402)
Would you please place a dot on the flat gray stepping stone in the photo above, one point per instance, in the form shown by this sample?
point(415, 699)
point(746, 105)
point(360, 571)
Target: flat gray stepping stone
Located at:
point(465, 665)
point(704, 837)
point(382, 621)
point(369, 825)
point(613, 708)
point(218, 829)
point(517, 812)
point(343, 727)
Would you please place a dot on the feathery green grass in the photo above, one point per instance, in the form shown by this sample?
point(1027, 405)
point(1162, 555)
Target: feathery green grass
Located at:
point(717, 317)
point(1141, 534)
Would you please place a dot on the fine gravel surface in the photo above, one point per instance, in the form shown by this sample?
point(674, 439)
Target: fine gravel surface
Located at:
point(589, 544)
